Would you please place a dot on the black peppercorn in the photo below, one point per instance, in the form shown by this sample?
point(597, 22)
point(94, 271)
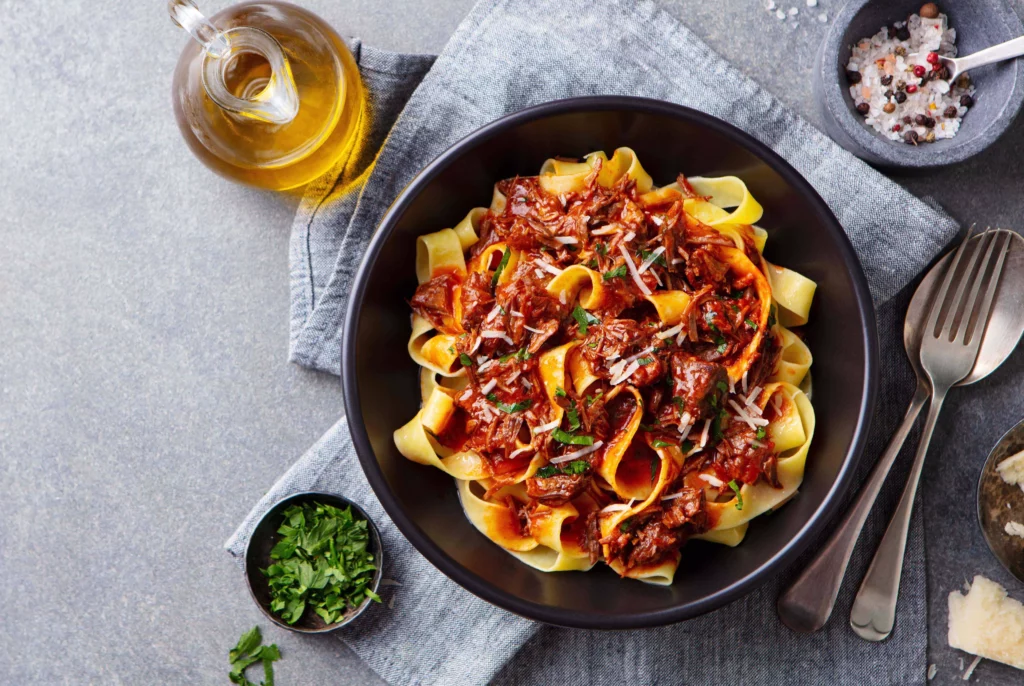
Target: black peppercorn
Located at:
point(966, 101)
point(943, 74)
point(853, 76)
point(887, 79)
point(919, 120)
point(907, 120)
point(929, 122)
point(903, 33)
point(889, 94)
point(950, 112)
point(901, 84)
point(910, 137)
point(901, 97)
point(863, 108)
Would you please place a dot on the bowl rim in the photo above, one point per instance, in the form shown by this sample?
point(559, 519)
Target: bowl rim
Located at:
point(891, 154)
point(476, 584)
point(339, 501)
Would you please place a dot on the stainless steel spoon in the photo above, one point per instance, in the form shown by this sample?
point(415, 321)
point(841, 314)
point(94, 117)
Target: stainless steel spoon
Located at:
point(958, 65)
point(807, 604)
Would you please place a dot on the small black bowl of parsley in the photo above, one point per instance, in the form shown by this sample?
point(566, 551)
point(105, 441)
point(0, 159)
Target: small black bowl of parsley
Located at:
point(313, 563)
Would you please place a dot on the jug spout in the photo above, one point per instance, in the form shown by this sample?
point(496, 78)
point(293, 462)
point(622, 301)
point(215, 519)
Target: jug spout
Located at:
point(268, 95)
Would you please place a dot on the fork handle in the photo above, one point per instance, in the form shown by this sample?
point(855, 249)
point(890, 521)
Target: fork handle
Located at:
point(807, 604)
point(874, 609)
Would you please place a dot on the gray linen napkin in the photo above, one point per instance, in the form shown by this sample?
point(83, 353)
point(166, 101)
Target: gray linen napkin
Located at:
point(507, 55)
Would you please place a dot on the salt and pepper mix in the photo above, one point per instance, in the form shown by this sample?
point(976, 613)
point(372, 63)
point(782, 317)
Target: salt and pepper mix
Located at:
point(899, 85)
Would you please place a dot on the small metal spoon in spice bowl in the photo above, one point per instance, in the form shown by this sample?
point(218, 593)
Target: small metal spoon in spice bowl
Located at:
point(958, 65)
point(292, 567)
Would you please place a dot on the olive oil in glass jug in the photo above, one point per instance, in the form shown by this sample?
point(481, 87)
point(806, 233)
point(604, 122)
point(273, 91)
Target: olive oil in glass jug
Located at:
point(267, 94)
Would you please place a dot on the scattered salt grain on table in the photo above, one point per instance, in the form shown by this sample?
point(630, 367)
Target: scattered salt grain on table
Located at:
point(899, 85)
point(779, 14)
point(793, 11)
point(823, 17)
point(812, 3)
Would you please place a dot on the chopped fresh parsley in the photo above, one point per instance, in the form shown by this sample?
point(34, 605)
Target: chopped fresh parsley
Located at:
point(761, 433)
point(593, 399)
point(520, 354)
point(322, 562)
point(573, 417)
point(466, 360)
point(592, 344)
point(771, 317)
point(659, 260)
point(584, 319)
point(625, 526)
point(592, 263)
point(617, 273)
point(560, 392)
point(647, 427)
point(503, 263)
point(601, 248)
point(750, 322)
point(248, 651)
point(509, 409)
point(739, 496)
point(716, 424)
point(722, 345)
point(678, 403)
point(655, 463)
point(722, 386)
point(451, 349)
point(502, 310)
point(573, 468)
point(644, 361)
point(658, 443)
point(687, 446)
point(571, 439)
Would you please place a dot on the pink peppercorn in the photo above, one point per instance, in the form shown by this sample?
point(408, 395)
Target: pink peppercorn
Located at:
point(896, 127)
point(911, 88)
point(933, 58)
point(918, 71)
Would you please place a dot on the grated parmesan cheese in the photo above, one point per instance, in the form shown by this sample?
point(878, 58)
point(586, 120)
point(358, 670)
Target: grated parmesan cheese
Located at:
point(566, 240)
point(669, 333)
point(633, 272)
point(987, 623)
point(549, 268)
point(970, 670)
point(579, 453)
point(1014, 529)
point(547, 427)
point(1011, 470)
point(531, 329)
point(711, 479)
point(651, 259)
point(488, 387)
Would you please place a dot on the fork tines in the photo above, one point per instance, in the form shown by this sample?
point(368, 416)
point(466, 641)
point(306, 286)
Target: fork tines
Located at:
point(964, 316)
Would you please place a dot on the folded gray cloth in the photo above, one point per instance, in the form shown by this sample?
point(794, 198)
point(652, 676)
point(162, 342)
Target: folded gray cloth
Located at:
point(507, 55)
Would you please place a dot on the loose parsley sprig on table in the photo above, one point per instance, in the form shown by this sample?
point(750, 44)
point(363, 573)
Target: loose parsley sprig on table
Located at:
point(322, 562)
point(248, 651)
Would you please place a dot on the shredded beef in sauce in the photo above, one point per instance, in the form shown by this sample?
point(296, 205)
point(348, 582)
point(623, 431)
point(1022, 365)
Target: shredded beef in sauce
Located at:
point(503, 326)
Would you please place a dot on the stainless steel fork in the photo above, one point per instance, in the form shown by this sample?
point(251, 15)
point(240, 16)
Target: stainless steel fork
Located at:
point(950, 343)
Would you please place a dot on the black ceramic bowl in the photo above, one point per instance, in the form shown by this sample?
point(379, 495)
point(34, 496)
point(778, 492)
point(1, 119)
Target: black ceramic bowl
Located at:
point(263, 539)
point(381, 382)
point(979, 24)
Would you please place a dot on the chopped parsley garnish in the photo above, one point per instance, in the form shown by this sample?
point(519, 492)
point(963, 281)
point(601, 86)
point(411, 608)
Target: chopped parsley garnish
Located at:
point(659, 260)
point(509, 409)
point(502, 310)
point(571, 439)
point(451, 349)
point(722, 345)
point(248, 651)
point(592, 263)
point(503, 263)
point(520, 354)
point(572, 468)
point(655, 463)
point(679, 404)
point(625, 526)
point(739, 496)
point(750, 322)
point(771, 317)
point(716, 424)
point(584, 319)
point(466, 360)
point(618, 272)
point(601, 248)
point(761, 433)
point(658, 443)
point(687, 446)
point(722, 386)
point(646, 427)
point(644, 361)
point(560, 392)
point(322, 562)
point(594, 399)
point(592, 344)
point(573, 416)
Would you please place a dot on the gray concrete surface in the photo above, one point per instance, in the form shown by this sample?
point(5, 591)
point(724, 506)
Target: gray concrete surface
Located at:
point(145, 397)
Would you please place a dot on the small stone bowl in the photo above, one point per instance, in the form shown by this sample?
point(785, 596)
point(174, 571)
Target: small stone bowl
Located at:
point(1000, 87)
point(1000, 502)
point(264, 538)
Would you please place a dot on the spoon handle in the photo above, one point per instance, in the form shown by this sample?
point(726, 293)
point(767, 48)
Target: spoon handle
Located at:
point(806, 605)
point(997, 53)
point(874, 609)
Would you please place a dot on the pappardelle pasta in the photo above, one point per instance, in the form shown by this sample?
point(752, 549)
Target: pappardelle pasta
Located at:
point(608, 367)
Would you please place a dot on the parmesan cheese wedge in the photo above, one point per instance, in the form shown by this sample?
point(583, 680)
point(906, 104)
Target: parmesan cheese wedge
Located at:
point(987, 623)
point(1012, 469)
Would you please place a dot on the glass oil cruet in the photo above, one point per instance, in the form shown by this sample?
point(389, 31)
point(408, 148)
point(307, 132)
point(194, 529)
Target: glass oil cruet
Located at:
point(267, 93)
